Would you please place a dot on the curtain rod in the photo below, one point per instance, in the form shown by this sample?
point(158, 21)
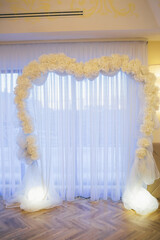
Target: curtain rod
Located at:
point(75, 41)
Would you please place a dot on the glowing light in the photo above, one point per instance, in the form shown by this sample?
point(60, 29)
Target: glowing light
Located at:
point(36, 194)
point(141, 201)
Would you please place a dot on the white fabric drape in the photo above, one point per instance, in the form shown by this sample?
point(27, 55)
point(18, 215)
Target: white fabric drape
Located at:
point(87, 132)
point(11, 170)
point(17, 56)
point(82, 126)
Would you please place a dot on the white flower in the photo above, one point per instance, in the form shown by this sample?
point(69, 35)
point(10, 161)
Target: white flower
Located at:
point(147, 128)
point(91, 69)
point(21, 93)
point(79, 71)
point(143, 142)
point(27, 126)
point(24, 82)
point(116, 62)
point(31, 147)
point(141, 153)
point(43, 67)
point(31, 139)
point(104, 64)
point(32, 70)
point(22, 115)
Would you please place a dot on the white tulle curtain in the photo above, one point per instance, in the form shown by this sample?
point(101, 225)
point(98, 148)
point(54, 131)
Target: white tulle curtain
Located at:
point(86, 130)
point(17, 56)
point(11, 169)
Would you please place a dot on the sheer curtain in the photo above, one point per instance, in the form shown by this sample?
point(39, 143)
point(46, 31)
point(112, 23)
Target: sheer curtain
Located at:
point(11, 169)
point(87, 133)
point(87, 130)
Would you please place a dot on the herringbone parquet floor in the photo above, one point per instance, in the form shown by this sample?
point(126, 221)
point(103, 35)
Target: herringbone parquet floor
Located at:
point(79, 220)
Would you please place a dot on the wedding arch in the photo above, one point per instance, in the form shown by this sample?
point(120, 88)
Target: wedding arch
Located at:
point(144, 170)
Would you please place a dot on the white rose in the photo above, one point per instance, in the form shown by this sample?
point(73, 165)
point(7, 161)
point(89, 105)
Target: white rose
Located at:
point(141, 153)
point(143, 142)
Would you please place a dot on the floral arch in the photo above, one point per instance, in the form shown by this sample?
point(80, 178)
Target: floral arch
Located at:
point(144, 170)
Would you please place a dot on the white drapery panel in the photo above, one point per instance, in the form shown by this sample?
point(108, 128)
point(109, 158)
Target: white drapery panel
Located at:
point(87, 132)
point(76, 103)
point(11, 169)
point(82, 128)
point(17, 56)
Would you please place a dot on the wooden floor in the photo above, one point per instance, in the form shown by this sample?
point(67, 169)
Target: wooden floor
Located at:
point(79, 220)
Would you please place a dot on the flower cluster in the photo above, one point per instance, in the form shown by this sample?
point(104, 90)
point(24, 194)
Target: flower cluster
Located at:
point(141, 153)
point(24, 84)
point(32, 148)
point(62, 64)
point(143, 142)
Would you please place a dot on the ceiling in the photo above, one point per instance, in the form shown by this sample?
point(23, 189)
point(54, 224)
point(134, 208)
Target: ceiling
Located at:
point(102, 19)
